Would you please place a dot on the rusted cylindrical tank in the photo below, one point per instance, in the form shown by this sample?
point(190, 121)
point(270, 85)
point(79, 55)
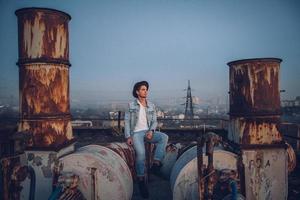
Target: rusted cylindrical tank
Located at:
point(254, 101)
point(184, 174)
point(103, 173)
point(44, 76)
point(254, 124)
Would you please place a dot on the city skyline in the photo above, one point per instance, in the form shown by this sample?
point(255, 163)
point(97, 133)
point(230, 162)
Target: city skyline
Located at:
point(113, 44)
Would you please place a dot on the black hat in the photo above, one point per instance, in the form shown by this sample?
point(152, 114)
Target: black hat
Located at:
point(137, 87)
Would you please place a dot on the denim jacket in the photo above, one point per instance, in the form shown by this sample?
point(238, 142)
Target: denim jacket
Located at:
point(131, 117)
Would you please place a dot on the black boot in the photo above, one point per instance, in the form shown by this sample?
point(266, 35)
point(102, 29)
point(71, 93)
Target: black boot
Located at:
point(143, 188)
point(155, 169)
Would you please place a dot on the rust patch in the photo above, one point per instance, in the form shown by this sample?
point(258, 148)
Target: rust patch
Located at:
point(44, 90)
point(48, 132)
point(258, 130)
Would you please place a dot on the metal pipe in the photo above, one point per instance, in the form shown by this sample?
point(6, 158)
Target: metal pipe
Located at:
point(119, 121)
point(5, 164)
point(200, 144)
point(32, 182)
point(93, 184)
point(234, 189)
point(55, 193)
point(44, 76)
point(209, 169)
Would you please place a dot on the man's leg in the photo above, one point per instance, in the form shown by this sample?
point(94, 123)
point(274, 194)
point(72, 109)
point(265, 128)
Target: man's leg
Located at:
point(139, 147)
point(161, 140)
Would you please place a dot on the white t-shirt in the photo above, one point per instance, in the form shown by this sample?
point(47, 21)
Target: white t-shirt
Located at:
point(141, 124)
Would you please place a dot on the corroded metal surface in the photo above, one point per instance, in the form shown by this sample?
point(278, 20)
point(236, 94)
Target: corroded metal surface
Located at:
point(265, 173)
point(254, 124)
point(44, 90)
point(259, 130)
point(44, 76)
point(47, 132)
point(113, 179)
point(254, 87)
point(11, 173)
point(43, 35)
point(184, 174)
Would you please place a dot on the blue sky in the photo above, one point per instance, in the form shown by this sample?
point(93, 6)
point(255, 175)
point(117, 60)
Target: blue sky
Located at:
point(114, 43)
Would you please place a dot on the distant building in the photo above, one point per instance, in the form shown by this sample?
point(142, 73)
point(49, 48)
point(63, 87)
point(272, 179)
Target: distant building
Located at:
point(81, 123)
point(291, 103)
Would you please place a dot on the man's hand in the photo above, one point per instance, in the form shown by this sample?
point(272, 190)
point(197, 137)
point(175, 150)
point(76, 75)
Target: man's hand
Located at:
point(129, 141)
point(149, 135)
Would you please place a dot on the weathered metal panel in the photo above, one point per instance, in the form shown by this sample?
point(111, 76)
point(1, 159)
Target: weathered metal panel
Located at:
point(184, 175)
point(113, 179)
point(266, 173)
point(44, 90)
point(254, 87)
point(259, 130)
point(47, 132)
point(42, 163)
point(43, 35)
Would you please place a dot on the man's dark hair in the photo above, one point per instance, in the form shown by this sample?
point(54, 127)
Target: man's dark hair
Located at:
point(137, 86)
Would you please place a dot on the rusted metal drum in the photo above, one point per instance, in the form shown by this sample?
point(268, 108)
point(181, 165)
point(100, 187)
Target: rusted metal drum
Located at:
point(254, 87)
point(126, 152)
point(103, 173)
point(184, 174)
point(255, 101)
point(44, 76)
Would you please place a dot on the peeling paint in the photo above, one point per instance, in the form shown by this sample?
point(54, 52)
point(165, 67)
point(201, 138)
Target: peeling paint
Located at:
point(48, 132)
point(261, 181)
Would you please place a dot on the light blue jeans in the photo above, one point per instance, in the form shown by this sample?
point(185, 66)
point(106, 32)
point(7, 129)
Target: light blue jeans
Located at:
point(159, 138)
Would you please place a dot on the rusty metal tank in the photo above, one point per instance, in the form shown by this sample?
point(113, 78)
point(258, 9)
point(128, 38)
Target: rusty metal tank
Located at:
point(103, 173)
point(254, 124)
point(254, 101)
point(44, 76)
point(184, 174)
